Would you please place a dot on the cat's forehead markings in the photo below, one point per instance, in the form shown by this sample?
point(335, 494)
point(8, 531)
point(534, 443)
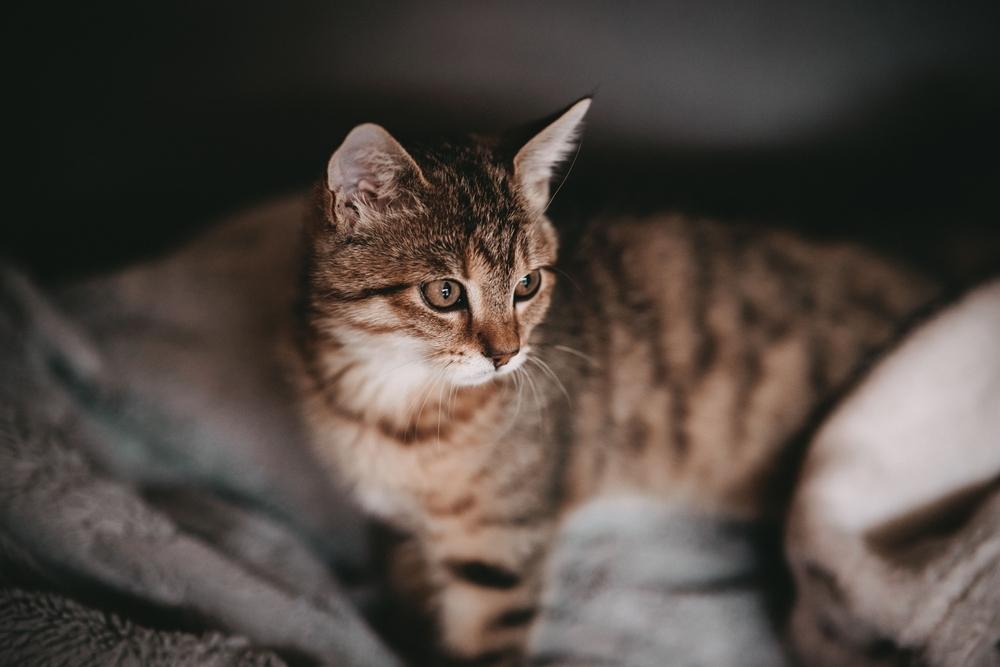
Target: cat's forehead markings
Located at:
point(477, 262)
point(466, 269)
point(494, 250)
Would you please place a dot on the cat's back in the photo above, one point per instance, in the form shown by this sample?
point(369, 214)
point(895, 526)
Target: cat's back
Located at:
point(710, 345)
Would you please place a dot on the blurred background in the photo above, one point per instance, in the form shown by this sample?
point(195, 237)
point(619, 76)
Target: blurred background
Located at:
point(875, 120)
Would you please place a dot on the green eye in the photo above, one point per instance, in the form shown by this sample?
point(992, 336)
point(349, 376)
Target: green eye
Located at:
point(443, 294)
point(527, 286)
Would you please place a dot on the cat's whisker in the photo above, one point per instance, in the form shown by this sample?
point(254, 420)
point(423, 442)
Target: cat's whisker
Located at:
point(518, 388)
point(385, 377)
point(536, 394)
point(427, 394)
point(577, 353)
point(520, 396)
point(568, 277)
point(407, 410)
point(552, 374)
point(512, 419)
point(444, 384)
point(388, 373)
point(452, 395)
point(392, 370)
point(572, 164)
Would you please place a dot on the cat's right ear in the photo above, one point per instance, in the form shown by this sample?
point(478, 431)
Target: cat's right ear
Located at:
point(537, 160)
point(367, 175)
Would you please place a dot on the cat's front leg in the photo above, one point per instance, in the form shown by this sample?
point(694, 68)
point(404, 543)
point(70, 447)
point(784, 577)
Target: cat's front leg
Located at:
point(488, 580)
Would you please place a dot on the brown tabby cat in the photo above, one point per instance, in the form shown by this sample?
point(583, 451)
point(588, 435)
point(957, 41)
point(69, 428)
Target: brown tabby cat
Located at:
point(679, 357)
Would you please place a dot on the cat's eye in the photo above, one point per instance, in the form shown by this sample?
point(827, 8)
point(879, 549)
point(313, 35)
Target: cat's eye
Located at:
point(444, 294)
point(527, 286)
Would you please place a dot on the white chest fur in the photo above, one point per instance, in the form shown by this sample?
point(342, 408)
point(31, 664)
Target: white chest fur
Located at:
point(393, 479)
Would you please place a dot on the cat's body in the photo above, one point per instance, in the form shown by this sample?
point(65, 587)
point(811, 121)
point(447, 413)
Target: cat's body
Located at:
point(677, 359)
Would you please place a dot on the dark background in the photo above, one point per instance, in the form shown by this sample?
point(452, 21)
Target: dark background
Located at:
point(873, 120)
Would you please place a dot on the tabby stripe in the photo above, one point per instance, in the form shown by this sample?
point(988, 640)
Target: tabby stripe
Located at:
point(608, 356)
point(367, 293)
point(328, 388)
point(749, 378)
point(438, 508)
point(486, 252)
point(884, 648)
point(555, 659)
point(706, 345)
point(704, 350)
point(562, 440)
point(413, 434)
point(487, 658)
point(783, 266)
point(795, 279)
point(526, 518)
point(481, 573)
point(678, 419)
point(515, 618)
point(510, 485)
point(644, 313)
point(341, 372)
point(721, 586)
point(522, 241)
point(654, 327)
point(330, 398)
point(376, 328)
point(817, 351)
point(871, 302)
point(825, 580)
point(512, 251)
point(638, 435)
point(750, 365)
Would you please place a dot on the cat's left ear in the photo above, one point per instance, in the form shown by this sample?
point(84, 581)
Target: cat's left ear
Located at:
point(368, 173)
point(537, 160)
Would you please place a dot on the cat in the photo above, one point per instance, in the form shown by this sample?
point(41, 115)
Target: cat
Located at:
point(471, 387)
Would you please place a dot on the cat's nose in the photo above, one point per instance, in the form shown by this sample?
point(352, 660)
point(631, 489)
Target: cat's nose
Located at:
point(499, 342)
point(501, 358)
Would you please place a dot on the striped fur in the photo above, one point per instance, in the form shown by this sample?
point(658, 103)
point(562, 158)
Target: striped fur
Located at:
point(679, 359)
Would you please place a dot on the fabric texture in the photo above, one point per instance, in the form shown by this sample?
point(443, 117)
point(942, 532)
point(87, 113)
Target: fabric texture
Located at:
point(636, 583)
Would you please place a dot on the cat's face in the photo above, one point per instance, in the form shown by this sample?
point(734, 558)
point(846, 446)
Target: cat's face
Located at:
point(455, 289)
point(434, 265)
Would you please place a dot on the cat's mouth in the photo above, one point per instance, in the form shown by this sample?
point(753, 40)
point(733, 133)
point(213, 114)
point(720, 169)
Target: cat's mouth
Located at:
point(515, 362)
point(485, 372)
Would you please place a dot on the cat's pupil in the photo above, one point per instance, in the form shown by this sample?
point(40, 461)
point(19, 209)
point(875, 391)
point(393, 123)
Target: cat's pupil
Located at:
point(446, 290)
point(525, 280)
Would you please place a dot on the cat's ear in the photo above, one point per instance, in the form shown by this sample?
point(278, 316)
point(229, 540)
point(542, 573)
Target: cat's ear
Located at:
point(368, 173)
point(537, 160)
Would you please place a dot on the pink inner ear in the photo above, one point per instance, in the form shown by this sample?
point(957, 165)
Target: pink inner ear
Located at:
point(366, 186)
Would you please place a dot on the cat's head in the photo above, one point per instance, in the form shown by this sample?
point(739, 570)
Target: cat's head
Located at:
point(436, 259)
